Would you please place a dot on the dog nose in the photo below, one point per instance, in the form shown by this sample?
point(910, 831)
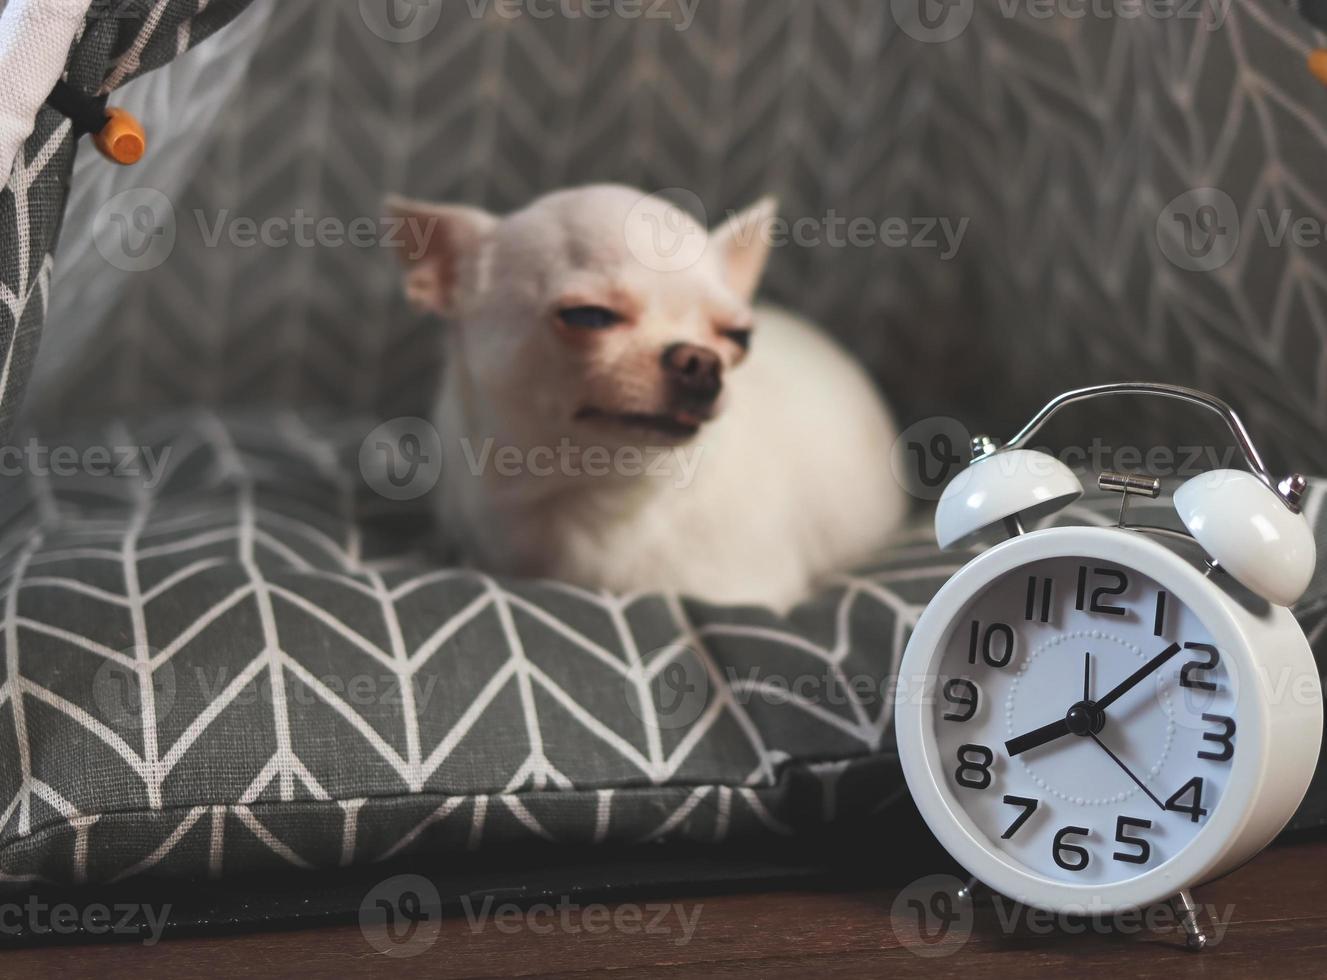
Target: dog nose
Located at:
point(696, 370)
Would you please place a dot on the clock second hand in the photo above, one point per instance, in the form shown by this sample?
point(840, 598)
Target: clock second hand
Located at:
point(1128, 772)
point(1087, 697)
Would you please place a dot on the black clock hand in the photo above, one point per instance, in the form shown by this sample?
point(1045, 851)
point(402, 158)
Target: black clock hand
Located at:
point(1137, 676)
point(1061, 728)
point(1056, 730)
point(1047, 733)
point(1038, 737)
point(1087, 675)
point(1128, 772)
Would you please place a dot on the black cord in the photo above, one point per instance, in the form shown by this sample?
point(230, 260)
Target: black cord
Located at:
point(86, 112)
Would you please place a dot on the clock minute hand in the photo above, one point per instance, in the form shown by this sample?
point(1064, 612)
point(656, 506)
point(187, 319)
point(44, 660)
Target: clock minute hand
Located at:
point(1134, 679)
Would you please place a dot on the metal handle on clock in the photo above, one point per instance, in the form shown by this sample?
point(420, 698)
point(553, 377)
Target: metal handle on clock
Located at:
point(1289, 491)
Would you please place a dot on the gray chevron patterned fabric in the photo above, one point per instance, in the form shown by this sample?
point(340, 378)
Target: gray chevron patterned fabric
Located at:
point(1131, 183)
point(119, 42)
point(233, 655)
point(253, 662)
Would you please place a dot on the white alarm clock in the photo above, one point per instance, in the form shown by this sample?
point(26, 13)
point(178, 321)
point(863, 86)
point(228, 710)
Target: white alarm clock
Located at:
point(1093, 719)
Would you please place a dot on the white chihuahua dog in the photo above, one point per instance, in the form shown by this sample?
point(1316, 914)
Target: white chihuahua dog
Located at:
point(615, 415)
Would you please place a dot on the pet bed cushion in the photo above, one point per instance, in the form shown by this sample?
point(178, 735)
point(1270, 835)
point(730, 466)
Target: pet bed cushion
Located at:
point(248, 659)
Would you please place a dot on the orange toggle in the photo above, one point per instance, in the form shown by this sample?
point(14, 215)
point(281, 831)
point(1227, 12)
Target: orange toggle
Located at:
point(1318, 64)
point(123, 139)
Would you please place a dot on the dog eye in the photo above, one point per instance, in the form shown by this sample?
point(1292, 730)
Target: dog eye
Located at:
point(741, 336)
point(589, 317)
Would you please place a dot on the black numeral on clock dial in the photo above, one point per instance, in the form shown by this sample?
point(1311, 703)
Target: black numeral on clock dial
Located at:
point(1159, 619)
point(1144, 853)
point(1119, 584)
point(996, 644)
point(1029, 807)
point(974, 766)
point(1212, 658)
point(1194, 808)
point(964, 693)
point(1225, 739)
point(1078, 857)
point(1040, 591)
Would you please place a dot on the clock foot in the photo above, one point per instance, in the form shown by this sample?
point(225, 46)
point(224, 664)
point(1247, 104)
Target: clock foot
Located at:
point(970, 892)
point(1194, 936)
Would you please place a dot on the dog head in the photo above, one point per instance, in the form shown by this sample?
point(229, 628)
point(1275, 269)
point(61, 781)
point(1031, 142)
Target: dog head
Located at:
point(598, 310)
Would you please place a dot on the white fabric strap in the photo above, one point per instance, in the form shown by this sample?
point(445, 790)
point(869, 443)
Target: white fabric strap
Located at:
point(35, 38)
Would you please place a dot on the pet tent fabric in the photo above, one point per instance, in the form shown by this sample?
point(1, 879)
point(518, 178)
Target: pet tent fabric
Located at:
point(178, 105)
point(254, 661)
point(117, 43)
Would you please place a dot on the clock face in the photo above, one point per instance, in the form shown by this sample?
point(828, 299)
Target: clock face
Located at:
point(1084, 719)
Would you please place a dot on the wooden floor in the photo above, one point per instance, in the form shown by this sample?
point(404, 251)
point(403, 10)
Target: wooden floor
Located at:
point(1276, 926)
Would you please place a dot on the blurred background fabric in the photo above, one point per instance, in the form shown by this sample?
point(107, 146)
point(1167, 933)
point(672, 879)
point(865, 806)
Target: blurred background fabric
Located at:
point(178, 104)
point(1059, 140)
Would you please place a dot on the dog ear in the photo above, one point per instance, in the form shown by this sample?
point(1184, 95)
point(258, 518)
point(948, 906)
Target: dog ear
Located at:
point(744, 242)
point(434, 238)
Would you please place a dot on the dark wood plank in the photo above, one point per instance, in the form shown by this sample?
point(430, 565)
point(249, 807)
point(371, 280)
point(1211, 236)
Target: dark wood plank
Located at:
point(1277, 927)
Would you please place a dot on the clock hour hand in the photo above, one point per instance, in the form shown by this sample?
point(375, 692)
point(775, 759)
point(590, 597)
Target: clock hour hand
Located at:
point(1130, 682)
point(1056, 729)
point(1037, 737)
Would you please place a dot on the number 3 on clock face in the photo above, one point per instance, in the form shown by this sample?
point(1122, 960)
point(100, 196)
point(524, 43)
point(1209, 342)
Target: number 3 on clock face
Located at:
point(1084, 718)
